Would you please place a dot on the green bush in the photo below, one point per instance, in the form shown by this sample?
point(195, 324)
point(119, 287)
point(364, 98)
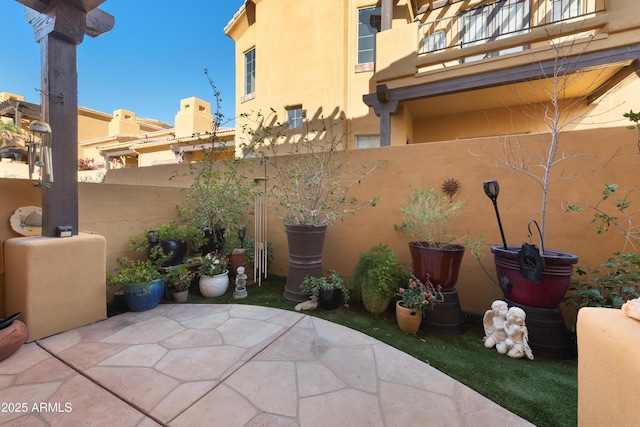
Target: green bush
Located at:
point(619, 283)
point(377, 276)
point(313, 286)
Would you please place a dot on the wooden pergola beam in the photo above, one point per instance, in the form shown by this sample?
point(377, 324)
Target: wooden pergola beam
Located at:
point(59, 26)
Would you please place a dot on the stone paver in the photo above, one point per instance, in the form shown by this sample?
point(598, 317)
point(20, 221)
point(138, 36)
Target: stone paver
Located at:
point(231, 365)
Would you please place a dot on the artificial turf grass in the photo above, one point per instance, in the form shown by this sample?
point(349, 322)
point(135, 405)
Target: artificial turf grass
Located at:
point(545, 392)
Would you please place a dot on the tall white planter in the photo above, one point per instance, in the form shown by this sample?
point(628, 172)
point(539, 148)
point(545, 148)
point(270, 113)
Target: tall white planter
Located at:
point(214, 286)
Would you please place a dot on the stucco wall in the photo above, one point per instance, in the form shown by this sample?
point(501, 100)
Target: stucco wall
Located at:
point(14, 193)
point(116, 210)
point(428, 165)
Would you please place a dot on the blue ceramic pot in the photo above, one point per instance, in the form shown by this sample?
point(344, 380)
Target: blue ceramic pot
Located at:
point(143, 296)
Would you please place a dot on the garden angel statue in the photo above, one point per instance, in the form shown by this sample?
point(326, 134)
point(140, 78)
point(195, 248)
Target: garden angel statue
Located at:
point(517, 334)
point(493, 321)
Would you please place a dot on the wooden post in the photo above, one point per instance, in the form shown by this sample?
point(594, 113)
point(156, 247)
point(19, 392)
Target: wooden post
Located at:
point(59, 26)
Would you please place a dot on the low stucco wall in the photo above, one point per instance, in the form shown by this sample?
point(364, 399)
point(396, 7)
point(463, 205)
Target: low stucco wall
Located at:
point(57, 284)
point(608, 368)
point(131, 200)
point(14, 193)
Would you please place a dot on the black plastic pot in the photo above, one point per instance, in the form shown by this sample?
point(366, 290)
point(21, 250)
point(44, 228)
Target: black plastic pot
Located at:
point(330, 299)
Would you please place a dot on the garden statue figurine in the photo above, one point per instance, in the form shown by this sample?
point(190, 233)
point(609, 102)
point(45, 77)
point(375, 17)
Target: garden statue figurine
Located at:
point(241, 284)
point(632, 308)
point(493, 321)
point(517, 335)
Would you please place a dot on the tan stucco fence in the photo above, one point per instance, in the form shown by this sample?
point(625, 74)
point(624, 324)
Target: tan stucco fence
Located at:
point(131, 200)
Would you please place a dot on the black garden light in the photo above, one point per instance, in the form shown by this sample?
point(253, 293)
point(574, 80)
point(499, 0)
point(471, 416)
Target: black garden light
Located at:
point(241, 235)
point(492, 189)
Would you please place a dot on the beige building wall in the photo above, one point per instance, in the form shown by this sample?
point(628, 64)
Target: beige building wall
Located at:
point(91, 125)
point(305, 56)
point(118, 132)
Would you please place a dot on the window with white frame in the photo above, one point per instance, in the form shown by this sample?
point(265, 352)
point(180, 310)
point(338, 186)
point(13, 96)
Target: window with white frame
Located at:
point(250, 72)
point(513, 19)
point(434, 41)
point(294, 117)
point(369, 24)
point(367, 141)
point(564, 9)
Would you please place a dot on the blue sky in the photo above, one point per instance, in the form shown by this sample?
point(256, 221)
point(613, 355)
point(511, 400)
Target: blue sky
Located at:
point(152, 58)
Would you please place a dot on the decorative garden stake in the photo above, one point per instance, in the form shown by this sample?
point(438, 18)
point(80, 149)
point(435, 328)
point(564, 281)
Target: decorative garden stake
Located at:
point(492, 189)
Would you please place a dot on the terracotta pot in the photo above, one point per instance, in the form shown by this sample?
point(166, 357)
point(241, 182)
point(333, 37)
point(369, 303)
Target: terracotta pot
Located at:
point(408, 320)
point(443, 264)
point(305, 257)
point(549, 292)
point(237, 260)
point(214, 286)
point(11, 338)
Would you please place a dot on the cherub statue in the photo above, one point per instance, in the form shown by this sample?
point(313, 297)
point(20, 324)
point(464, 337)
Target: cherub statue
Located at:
point(517, 334)
point(241, 284)
point(493, 322)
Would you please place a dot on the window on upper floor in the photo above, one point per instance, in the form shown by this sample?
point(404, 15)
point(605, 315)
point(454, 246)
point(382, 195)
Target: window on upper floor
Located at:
point(369, 24)
point(250, 72)
point(502, 19)
point(369, 141)
point(294, 117)
point(564, 9)
point(435, 41)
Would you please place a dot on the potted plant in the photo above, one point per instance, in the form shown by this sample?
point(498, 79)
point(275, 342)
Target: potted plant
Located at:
point(311, 184)
point(376, 278)
point(142, 283)
point(327, 291)
point(169, 239)
point(537, 276)
point(12, 140)
point(214, 275)
point(178, 278)
point(415, 299)
point(220, 193)
point(427, 216)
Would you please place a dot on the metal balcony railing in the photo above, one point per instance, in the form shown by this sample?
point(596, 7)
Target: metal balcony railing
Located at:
point(499, 20)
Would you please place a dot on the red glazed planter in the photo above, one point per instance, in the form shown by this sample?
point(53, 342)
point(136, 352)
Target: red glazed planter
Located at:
point(443, 264)
point(553, 286)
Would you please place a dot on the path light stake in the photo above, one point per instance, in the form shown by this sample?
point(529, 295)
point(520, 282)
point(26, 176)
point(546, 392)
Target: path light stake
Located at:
point(492, 189)
point(242, 232)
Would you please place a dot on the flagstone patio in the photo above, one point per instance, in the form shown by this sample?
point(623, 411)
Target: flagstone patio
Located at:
point(230, 365)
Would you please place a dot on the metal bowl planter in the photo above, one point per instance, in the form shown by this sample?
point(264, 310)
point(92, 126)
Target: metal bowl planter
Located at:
point(143, 296)
point(548, 292)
